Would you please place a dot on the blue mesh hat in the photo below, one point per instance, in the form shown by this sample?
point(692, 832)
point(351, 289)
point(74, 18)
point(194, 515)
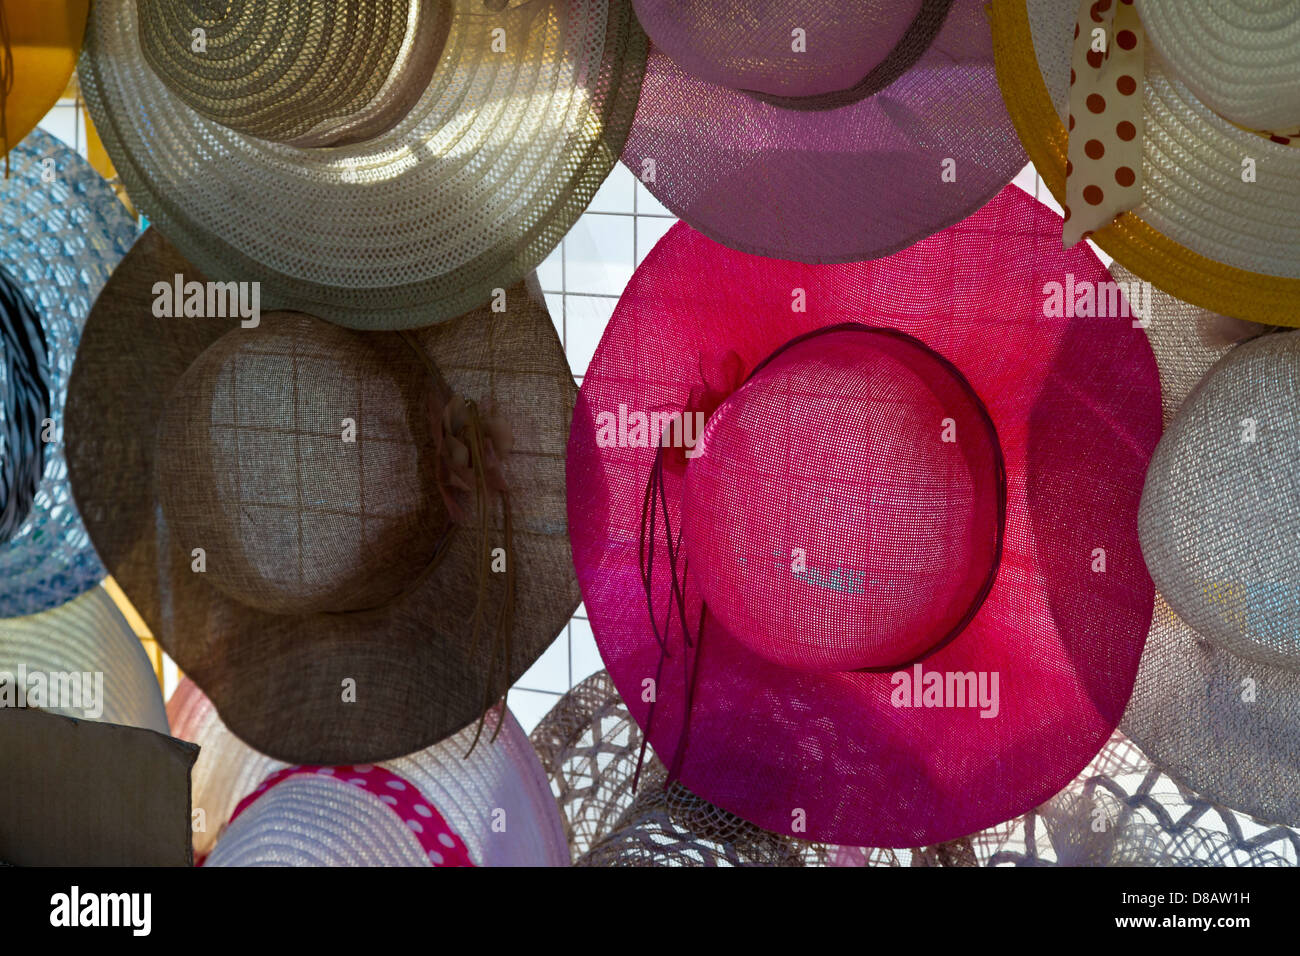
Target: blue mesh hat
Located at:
point(62, 231)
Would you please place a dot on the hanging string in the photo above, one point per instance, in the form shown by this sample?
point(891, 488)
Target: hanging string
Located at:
point(474, 435)
point(655, 501)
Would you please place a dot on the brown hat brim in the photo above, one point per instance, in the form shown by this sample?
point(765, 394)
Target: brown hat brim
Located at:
point(279, 681)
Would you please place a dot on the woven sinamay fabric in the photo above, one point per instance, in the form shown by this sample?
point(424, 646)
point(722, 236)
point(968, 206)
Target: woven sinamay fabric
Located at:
point(821, 132)
point(843, 519)
point(67, 650)
point(330, 614)
point(496, 800)
point(24, 405)
point(466, 194)
point(1215, 701)
point(314, 73)
point(62, 231)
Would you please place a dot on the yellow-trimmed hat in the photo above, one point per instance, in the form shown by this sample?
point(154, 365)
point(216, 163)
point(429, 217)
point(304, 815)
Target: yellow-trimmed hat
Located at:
point(1200, 231)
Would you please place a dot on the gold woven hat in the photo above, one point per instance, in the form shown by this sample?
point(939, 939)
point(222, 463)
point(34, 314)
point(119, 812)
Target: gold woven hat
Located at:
point(493, 158)
point(1208, 204)
point(353, 542)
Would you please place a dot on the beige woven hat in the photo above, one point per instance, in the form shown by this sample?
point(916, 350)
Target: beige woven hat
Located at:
point(525, 115)
point(496, 800)
point(353, 542)
point(323, 73)
point(1217, 698)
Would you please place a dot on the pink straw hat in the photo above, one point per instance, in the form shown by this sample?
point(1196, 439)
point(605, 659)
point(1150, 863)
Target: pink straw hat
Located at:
point(895, 588)
point(817, 131)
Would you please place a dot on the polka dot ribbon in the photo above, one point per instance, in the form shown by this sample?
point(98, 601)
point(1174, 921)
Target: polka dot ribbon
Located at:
point(439, 843)
point(1104, 172)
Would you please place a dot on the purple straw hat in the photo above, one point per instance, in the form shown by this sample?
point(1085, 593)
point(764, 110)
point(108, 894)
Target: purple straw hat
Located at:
point(821, 132)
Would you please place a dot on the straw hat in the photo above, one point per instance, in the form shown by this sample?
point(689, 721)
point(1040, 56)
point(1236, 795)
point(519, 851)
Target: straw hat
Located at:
point(108, 788)
point(1217, 220)
point(39, 42)
point(495, 803)
point(292, 508)
point(89, 638)
point(820, 132)
point(314, 74)
point(466, 194)
point(63, 232)
point(823, 590)
point(25, 401)
point(1215, 702)
point(590, 748)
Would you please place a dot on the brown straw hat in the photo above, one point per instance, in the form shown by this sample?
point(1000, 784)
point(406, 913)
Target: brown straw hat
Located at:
point(353, 542)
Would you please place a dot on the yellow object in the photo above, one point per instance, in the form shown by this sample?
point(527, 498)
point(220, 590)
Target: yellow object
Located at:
point(138, 625)
point(44, 39)
point(1150, 254)
point(97, 155)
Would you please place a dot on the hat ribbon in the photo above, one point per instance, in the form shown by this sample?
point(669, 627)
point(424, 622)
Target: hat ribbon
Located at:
point(471, 443)
point(6, 81)
point(1106, 121)
point(440, 843)
point(703, 399)
point(911, 46)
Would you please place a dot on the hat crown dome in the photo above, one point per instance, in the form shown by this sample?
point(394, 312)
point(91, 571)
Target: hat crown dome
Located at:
point(845, 507)
point(1238, 56)
point(298, 457)
point(778, 47)
point(1218, 519)
point(301, 72)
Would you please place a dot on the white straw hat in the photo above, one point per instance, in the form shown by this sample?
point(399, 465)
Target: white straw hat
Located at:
point(1217, 698)
point(88, 638)
point(1210, 228)
point(467, 193)
point(496, 801)
point(1238, 56)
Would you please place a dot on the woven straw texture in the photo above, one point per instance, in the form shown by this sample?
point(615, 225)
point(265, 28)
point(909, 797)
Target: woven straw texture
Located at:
point(1201, 233)
point(239, 439)
point(59, 240)
point(305, 822)
point(88, 636)
point(470, 191)
point(24, 405)
point(1064, 676)
point(832, 185)
point(1122, 810)
point(319, 73)
point(1237, 56)
point(1125, 811)
point(754, 46)
point(1215, 699)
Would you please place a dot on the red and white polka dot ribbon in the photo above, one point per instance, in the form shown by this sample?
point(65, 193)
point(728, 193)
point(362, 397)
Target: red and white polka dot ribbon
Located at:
point(1104, 172)
point(440, 844)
